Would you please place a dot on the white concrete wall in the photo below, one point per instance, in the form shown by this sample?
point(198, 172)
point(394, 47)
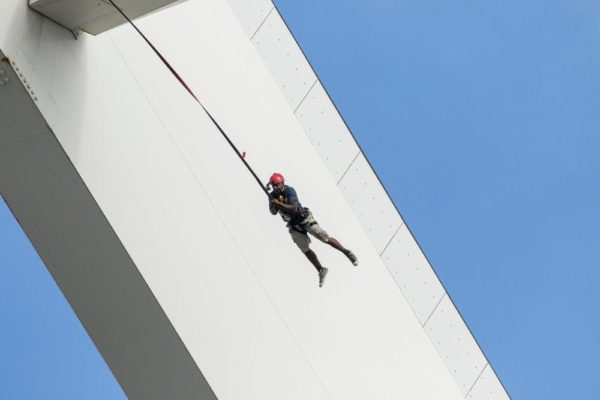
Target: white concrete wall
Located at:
point(335, 144)
point(242, 299)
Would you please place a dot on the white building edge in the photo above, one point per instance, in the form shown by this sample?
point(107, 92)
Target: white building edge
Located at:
point(161, 240)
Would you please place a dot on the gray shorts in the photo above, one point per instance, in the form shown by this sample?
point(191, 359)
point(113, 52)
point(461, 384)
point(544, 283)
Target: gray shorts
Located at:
point(302, 240)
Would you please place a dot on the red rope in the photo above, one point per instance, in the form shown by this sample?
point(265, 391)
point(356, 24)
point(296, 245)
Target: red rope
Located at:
point(184, 84)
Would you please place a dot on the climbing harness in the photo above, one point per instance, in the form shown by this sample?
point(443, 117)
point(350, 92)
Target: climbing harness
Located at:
point(302, 227)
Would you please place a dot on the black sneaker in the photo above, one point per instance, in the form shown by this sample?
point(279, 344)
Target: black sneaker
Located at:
point(322, 275)
point(351, 257)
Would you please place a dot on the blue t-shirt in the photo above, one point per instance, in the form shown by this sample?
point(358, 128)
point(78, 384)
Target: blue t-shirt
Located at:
point(288, 196)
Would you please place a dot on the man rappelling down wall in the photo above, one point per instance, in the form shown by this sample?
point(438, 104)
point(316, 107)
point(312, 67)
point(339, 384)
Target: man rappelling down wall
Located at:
point(282, 199)
point(300, 222)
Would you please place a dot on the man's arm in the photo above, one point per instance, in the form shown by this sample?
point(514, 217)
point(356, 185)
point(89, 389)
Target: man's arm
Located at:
point(279, 204)
point(272, 207)
point(292, 205)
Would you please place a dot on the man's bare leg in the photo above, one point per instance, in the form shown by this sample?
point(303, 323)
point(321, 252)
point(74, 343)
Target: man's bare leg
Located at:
point(315, 261)
point(333, 242)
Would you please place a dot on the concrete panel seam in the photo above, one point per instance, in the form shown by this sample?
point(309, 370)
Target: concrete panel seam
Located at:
point(306, 95)
point(37, 151)
point(197, 179)
point(21, 40)
point(434, 308)
point(390, 241)
point(21, 139)
point(348, 169)
point(487, 364)
point(140, 87)
point(262, 23)
point(400, 290)
point(12, 142)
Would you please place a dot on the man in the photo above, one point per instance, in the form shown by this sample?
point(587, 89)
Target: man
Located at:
point(300, 222)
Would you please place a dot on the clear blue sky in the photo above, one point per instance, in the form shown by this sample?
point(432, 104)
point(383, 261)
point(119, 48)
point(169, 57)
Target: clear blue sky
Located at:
point(483, 121)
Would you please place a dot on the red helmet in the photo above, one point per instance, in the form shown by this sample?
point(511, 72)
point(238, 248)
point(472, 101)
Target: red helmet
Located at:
point(276, 178)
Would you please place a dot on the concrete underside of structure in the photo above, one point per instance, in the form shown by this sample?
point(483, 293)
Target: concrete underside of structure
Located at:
point(161, 240)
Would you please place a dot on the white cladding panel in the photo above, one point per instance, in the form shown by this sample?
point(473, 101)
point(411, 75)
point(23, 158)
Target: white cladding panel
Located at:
point(251, 13)
point(413, 274)
point(257, 327)
point(455, 344)
point(327, 131)
point(488, 387)
point(284, 59)
point(370, 203)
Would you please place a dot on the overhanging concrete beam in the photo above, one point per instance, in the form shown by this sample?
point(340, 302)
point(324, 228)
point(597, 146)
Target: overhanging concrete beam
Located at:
point(94, 16)
point(85, 256)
